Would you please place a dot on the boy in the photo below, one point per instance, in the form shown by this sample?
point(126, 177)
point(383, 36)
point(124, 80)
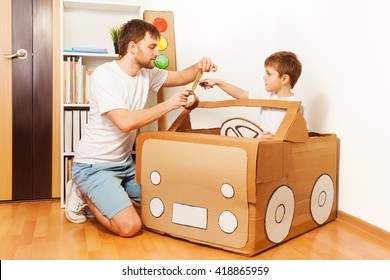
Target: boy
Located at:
point(282, 70)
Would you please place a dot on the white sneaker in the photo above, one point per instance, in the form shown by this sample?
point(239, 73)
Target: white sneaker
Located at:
point(88, 213)
point(75, 204)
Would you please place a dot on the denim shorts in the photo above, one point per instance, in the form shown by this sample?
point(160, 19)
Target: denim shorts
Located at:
point(108, 185)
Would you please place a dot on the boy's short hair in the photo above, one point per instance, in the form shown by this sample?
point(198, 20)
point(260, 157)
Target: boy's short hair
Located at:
point(285, 63)
point(135, 30)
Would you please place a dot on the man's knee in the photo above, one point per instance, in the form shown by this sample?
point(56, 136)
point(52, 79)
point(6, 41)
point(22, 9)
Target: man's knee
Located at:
point(129, 225)
point(130, 229)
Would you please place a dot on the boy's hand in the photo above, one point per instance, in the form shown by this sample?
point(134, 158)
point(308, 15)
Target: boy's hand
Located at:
point(207, 83)
point(267, 135)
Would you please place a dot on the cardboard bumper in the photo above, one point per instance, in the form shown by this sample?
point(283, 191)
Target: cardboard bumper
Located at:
point(240, 194)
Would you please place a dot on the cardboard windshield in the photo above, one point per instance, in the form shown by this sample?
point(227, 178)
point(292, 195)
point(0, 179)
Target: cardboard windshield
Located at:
point(293, 127)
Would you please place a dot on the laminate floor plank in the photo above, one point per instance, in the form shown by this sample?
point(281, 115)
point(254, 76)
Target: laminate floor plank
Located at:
point(39, 230)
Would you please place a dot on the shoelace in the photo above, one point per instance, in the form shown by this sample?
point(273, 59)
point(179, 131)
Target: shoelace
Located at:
point(80, 205)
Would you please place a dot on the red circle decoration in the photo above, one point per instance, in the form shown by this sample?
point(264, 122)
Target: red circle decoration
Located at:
point(161, 24)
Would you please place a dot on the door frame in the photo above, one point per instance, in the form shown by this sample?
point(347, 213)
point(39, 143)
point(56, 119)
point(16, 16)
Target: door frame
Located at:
point(57, 55)
point(6, 101)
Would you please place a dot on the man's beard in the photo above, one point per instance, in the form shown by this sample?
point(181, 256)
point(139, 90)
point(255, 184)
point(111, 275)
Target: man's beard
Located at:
point(144, 63)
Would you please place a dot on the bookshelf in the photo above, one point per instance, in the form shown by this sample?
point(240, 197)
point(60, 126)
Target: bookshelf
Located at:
point(85, 24)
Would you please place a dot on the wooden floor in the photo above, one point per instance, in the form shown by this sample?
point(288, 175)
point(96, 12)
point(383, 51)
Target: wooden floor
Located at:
point(40, 230)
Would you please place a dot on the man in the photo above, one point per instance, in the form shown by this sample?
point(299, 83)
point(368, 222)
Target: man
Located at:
point(103, 168)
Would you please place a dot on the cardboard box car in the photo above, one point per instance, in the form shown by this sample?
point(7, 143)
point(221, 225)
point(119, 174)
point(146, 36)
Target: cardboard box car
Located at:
point(239, 194)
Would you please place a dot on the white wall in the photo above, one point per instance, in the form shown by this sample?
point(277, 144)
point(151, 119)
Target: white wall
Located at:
point(344, 47)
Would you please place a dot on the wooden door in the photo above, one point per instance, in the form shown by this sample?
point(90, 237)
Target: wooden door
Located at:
point(26, 101)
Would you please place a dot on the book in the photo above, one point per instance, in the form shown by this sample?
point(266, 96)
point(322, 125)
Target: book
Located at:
point(76, 81)
point(68, 131)
point(79, 82)
point(76, 128)
point(83, 121)
point(67, 80)
point(68, 169)
point(72, 80)
point(88, 85)
point(86, 50)
point(68, 163)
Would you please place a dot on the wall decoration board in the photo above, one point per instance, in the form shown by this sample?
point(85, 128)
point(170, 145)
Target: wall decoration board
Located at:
point(163, 20)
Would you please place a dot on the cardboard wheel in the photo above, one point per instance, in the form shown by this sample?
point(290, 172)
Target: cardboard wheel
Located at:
point(321, 200)
point(279, 214)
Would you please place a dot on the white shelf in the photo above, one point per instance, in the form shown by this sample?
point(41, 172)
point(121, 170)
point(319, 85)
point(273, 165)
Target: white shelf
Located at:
point(94, 55)
point(86, 23)
point(76, 106)
point(116, 5)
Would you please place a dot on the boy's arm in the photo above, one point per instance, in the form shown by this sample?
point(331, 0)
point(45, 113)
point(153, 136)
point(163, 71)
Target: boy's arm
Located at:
point(230, 89)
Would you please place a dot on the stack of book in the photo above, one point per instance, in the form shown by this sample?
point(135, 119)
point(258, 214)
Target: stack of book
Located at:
point(75, 122)
point(87, 50)
point(77, 79)
point(68, 169)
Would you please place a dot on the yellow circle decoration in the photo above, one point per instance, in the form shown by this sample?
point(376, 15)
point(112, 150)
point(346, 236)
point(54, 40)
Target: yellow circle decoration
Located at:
point(162, 44)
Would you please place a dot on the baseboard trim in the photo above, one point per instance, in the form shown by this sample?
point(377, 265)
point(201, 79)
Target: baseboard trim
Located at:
point(364, 226)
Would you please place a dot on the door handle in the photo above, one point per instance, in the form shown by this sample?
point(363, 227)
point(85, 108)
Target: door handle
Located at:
point(21, 53)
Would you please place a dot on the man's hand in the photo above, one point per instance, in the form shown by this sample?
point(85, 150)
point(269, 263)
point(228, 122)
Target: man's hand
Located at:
point(207, 65)
point(178, 100)
point(188, 75)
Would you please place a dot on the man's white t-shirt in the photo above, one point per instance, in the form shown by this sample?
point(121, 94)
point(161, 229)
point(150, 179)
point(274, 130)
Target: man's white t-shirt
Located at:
point(271, 118)
point(111, 88)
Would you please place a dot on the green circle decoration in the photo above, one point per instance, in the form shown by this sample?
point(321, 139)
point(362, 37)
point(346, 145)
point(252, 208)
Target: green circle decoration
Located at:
point(162, 61)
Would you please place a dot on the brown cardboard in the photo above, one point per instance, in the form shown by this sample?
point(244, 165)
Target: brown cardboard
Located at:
point(239, 194)
point(170, 51)
point(227, 164)
point(169, 34)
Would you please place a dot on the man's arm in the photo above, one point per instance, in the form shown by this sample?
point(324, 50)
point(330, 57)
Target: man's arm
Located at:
point(188, 75)
point(127, 120)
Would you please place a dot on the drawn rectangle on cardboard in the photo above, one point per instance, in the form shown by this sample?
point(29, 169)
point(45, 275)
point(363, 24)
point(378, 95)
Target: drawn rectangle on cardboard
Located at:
point(188, 215)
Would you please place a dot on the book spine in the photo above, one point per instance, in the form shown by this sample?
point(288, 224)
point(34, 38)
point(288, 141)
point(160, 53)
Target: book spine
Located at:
point(76, 129)
point(80, 82)
point(68, 131)
point(67, 81)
